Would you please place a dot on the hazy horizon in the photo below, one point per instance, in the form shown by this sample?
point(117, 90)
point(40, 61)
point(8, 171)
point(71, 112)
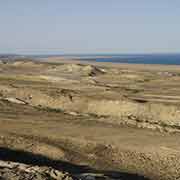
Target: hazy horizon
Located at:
point(90, 27)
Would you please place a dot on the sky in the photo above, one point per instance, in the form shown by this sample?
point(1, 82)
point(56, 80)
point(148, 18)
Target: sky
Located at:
point(89, 26)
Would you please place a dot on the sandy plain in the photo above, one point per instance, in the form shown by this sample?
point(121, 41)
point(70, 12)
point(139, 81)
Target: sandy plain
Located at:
point(91, 120)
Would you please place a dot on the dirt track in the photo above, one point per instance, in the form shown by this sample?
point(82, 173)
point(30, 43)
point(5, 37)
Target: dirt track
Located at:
point(113, 121)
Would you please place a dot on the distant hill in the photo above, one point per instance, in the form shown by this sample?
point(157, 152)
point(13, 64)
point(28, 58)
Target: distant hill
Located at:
point(10, 56)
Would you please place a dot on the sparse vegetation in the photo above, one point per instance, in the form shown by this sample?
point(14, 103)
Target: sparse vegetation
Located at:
point(107, 119)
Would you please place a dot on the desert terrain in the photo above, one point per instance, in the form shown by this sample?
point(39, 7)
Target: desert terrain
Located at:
point(67, 119)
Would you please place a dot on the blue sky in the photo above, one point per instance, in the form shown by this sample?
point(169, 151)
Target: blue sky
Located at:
point(89, 26)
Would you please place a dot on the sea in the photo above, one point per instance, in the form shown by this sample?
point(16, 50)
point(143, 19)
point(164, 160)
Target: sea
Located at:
point(166, 59)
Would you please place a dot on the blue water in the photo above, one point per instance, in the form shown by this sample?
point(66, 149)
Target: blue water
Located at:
point(167, 59)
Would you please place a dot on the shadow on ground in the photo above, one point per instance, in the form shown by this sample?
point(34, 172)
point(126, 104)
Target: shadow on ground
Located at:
point(19, 156)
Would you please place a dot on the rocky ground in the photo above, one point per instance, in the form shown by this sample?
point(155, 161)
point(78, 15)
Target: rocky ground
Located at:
point(20, 171)
point(11, 170)
point(76, 120)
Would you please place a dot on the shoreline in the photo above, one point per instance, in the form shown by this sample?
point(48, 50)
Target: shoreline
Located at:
point(135, 66)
